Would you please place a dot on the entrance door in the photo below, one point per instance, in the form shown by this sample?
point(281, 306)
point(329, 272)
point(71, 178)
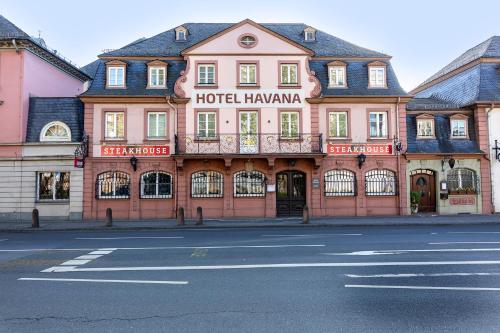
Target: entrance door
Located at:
point(290, 193)
point(249, 138)
point(425, 184)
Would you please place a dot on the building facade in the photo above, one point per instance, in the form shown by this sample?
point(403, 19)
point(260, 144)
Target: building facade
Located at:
point(38, 136)
point(244, 120)
point(451, 124)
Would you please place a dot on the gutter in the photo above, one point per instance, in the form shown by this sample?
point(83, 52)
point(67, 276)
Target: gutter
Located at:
point(15, 45)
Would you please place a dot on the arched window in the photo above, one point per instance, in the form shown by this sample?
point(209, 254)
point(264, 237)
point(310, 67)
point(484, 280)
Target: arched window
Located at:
point(113, 185)
point(340, 183)
point(249, 184)
point(207, 184)
point(156, 184)
point(462, 181)
point(380, 182)
point(55, 131)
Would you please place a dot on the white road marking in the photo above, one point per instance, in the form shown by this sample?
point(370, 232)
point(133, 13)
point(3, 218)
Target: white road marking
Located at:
point(473, 232)
point(58, 269)
point(105, 281)
point(290, 265)
point(89, 257)
point(420, 287)
point(100, 252)
point(419, 275)
point(386, 252)
point(445, 243)
point(37, 250)
point(3, 240)
point(75, 262)
point(113, 238)
point(311, 235)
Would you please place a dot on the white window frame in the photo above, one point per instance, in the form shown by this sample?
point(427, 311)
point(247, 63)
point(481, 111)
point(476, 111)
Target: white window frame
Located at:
point(421, 134)
point(289, 115)
point(340, 72)
point(377, 77)
point(158, 69)
point(205, 78)
point(157, 186)
point(53, 185)
point(248, 41)
point(289, 74)
point(44, 137)
point(337, 115)
point(180, 34)
point(248, 67)
point(452, 121)
point(206, 114)
point(385, 128)
point(157, 119)
point(116, 76)
point(115, 124)
point(309, 36)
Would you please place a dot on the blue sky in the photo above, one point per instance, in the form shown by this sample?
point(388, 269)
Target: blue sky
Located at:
point(422, 36)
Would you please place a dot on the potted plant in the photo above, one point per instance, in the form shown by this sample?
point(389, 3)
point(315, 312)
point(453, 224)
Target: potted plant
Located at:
point(414, 201)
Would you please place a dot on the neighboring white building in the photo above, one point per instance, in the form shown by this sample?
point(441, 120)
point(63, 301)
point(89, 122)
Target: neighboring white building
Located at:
point(494, 129)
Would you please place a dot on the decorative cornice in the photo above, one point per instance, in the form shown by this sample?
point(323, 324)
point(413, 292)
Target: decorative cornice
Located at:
point(316, 92)
point(178, 91)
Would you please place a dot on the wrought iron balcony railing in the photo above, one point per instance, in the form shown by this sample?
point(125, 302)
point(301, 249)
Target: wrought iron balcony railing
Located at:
point(247, 144)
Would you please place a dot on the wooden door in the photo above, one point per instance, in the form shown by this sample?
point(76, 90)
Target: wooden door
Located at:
point(425, 184)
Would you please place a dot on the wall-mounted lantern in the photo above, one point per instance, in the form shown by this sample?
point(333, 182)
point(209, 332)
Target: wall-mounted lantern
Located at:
point(451, 162)
point(361, 160)
point(497, 151)
point(133, 162)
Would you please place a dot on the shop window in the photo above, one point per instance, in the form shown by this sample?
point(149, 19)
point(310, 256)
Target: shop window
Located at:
point(289, 125)
point(288, 74)
point(157, 125)
point(156, 185)
point(207, 184)
point(249, 184)
point(340, 183)
point(337, 125)
point(53, 186)
point(113, 185)
point(380, 183)
point(462, 181)
point(114, 125)
point(55, 131)
point(378, 125)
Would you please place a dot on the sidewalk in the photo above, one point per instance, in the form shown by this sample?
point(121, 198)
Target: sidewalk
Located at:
point(25, 226)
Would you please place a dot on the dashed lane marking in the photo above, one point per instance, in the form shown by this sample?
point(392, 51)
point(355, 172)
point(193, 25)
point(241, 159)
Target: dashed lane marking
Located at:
point(289, 265)
point(106, 281)
point(118, 238)
point(81, 260)
point(419, 287)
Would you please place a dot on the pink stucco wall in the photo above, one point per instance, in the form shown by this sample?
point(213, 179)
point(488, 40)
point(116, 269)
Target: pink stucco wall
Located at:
point(23, 75)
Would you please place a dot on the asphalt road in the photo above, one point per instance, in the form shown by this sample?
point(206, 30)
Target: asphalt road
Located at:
point(350, 279)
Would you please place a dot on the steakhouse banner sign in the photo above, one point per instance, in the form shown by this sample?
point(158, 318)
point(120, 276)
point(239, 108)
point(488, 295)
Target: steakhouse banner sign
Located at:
point(360, 148)
point(128, 151)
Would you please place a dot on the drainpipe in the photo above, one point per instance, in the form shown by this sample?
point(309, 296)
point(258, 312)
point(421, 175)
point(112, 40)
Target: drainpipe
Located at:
point(492, 173)
point(15, 45)
point(398, 155)
point(176, 184)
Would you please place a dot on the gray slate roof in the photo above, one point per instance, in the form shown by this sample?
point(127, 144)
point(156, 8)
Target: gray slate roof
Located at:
point(9, 30)
point(357, 80)
point(136, 79)
point(490, 48)
point(442, 144)
point(43, 110)
point(164, 44)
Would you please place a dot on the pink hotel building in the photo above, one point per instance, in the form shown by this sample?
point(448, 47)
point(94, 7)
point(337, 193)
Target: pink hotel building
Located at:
point(244, 120)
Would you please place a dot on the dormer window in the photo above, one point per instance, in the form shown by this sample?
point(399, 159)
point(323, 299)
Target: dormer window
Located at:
point(425, 127)
point(157, 74)
point(337, 74)
point(458, 125)
point(377, 75)
point(180, 34)
point(115, 74)
point(309, 34)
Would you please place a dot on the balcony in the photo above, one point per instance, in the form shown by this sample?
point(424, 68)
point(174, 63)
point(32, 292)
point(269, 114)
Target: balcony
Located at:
point(249, 144)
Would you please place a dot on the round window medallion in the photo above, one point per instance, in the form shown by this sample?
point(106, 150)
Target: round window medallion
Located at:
point(247, 40)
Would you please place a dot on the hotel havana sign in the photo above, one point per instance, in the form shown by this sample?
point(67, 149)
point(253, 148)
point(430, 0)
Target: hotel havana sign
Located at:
point(248, 98)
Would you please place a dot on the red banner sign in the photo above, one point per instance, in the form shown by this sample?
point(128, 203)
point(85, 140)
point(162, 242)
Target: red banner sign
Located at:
point(462, 201)
point(142, 150)
point(360, 148)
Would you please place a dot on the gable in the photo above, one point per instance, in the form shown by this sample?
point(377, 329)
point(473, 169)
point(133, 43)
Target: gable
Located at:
point(227, 42)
